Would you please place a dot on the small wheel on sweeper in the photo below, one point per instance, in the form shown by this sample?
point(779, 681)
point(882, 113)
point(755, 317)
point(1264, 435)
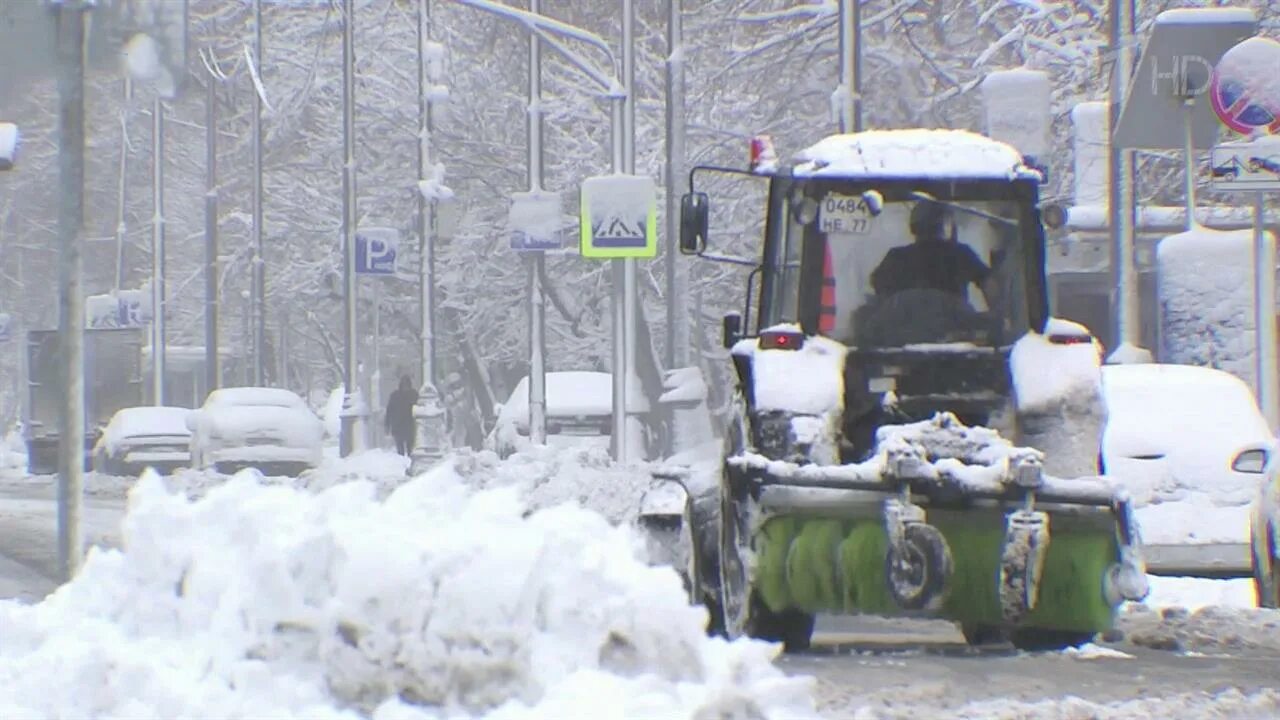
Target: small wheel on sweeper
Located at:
point(919, 573)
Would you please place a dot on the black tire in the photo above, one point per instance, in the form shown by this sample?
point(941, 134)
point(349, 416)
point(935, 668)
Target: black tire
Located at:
point(1266, 575)
point(923, 582)
point(792, 628)
point(1042, 640)
point(979, 634)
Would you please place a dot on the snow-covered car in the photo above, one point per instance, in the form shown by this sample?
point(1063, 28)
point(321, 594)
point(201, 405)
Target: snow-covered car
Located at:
point(270, 429)
point(1264, 537)
point(1190, 445)
point(137, 438)
point(579, 413)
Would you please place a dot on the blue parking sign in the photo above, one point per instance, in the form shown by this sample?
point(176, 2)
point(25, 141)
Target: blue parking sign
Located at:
point(376, 251)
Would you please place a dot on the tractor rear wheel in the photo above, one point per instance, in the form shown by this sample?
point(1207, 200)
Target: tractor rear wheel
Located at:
point(978, 634)
point(792, 628)
point(1041, 640)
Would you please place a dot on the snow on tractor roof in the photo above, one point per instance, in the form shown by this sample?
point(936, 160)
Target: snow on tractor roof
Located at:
point(915, 153)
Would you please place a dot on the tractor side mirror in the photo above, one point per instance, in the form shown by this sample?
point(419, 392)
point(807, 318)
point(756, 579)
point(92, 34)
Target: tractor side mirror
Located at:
point(694, 219)
point(731, 330)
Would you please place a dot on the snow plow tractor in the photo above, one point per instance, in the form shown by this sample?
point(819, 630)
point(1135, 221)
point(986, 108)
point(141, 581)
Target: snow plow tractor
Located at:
point(912, 434)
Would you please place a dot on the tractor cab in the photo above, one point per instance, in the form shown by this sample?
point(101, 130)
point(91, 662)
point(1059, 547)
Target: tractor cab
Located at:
point(922, 251)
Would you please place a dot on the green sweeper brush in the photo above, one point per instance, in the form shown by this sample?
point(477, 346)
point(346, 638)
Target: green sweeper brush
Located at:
point(993, 543)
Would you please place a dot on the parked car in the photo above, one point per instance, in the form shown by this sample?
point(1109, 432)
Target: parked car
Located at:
point(579, 413)
point(1264, 538)
point(270, 429)
point(1190, 445)
point(137, 438)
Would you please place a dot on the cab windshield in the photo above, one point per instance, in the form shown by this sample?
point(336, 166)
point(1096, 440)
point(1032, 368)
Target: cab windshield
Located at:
point(912, 268)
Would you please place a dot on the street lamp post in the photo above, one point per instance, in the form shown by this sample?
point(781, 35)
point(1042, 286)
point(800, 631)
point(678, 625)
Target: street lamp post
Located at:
point(352, 402)
point(158, 353)
point(72, 16)
point(258, 266)
point(428, 413)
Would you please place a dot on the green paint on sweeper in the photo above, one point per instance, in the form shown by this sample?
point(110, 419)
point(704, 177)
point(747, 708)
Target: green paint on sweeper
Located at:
point(824, 565)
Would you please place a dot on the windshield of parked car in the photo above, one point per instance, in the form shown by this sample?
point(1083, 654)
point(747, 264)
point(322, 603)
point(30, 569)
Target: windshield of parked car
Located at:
point(912, 270)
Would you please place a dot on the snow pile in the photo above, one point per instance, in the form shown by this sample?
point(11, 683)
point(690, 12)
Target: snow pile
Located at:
point(1211, 629)
point(1089, 651)
point(1205, 290)
point(808, 381)
point(915, 153)
point(268, 602)
point(546, 476)
point(1057, 383)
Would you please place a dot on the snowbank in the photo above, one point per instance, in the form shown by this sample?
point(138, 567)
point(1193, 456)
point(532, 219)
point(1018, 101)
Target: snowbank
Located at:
point(1205, 290)
point(915, 153)
point(269, 602)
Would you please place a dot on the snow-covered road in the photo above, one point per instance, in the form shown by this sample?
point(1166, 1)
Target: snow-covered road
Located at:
point(1212, 659)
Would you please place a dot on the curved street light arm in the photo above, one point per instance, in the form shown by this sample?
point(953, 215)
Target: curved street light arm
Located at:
point(544, 25)
point(610, 85)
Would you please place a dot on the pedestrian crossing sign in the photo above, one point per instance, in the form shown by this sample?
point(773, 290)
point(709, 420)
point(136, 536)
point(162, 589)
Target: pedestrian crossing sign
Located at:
point(619, 217)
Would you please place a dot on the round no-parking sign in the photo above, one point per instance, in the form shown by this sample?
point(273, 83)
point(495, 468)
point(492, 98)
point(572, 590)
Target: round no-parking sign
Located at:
point(1245, 90)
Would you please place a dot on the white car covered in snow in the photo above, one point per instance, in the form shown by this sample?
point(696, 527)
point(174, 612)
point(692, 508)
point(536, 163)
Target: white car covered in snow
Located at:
point(579, 413)
point(267, 428)
point(1190, 445)
point(137, 438)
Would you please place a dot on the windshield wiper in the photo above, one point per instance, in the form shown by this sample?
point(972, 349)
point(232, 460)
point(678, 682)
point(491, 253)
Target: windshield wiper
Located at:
point(926, 197)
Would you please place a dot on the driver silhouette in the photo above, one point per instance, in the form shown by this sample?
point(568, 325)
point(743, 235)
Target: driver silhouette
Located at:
point(934, 261)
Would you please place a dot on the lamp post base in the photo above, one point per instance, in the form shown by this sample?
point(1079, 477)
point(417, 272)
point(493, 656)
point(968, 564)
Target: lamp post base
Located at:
point(353, 416)
point(432, 440)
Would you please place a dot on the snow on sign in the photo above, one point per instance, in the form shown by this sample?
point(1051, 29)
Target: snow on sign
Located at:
point(534, 221)
point(6, 327)
point(1251, 165)
point(376, 250)
point(844, 214)
point(619, 217)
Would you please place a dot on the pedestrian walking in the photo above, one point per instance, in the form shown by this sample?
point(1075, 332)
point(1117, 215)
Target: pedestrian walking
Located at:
point(399, 420)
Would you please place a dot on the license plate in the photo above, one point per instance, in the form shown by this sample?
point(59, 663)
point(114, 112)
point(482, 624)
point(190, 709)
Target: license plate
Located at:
point(844, 214)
